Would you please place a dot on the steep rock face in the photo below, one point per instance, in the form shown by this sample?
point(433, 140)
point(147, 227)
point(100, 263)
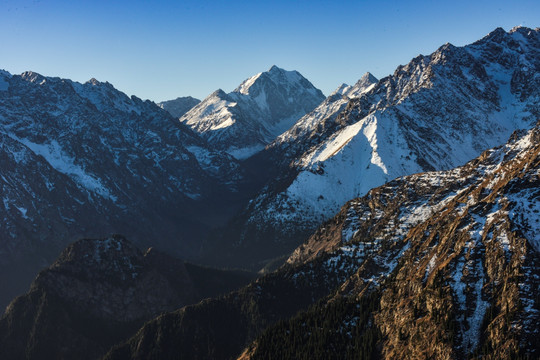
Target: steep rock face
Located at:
point(438, 265)
point(435, 113)
point(452, 258)
point(179, 106)
point(244, 121)
point(97, 293)
point(80, 157)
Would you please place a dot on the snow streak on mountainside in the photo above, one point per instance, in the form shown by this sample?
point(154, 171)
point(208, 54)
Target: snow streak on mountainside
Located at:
point(436, 112)
point(244, 121)
point(474, 230)
point(326, 111)
point(441, 265)
point(179, 106)
point(79, 158)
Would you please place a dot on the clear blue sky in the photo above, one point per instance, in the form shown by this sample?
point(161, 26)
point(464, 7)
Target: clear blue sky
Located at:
point(160, 50)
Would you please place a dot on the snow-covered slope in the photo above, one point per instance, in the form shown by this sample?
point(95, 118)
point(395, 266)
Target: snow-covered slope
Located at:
point(244, 121)
point(179, 106)
point(452, 258)
point(437, 112)
point(326, 111)
point(86, 160)
point(438, 265)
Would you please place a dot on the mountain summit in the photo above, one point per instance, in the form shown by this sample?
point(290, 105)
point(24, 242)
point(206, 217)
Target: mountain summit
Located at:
point(366, 80)
point(244, 121)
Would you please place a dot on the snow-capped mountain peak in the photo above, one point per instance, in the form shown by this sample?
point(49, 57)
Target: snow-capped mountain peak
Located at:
point(366, 80)
point(364, 84)
point(326, 112)
point(276, 69)
point(274, 77)
point(93, 81)
point(244, 121)
point(341, 90)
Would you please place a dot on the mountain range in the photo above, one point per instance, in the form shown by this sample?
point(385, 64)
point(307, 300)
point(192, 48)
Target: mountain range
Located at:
point(435, 113)
point(86, 160)
point(435, 256)
point(434, 265)
point(98, 292)
point(247, 119)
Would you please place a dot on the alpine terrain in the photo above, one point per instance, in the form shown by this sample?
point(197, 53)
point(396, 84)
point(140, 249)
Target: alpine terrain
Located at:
point(438, 265)
point(179, 106)
point(98, 292)
point(398, 218)
point(86, 160)
point(435, 113)
point(244, 121)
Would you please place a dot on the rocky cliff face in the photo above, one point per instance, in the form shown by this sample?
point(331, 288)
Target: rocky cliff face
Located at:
point(451, 256)
point(97, 293)
point(76, 158)
point(435, 113)
point(438, 265)
point(244, 121)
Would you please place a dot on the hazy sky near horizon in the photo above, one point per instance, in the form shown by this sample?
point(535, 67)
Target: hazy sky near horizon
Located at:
point(160, 50)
